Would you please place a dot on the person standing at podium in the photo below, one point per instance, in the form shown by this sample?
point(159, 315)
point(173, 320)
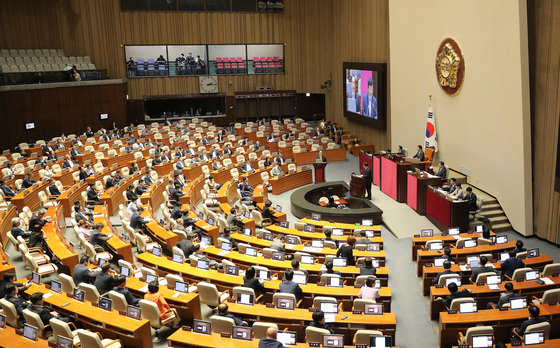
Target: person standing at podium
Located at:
point(368, 178)
point(321, 158)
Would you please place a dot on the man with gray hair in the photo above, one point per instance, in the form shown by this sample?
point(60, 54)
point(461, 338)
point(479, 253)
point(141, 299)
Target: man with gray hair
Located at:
point(17, 231)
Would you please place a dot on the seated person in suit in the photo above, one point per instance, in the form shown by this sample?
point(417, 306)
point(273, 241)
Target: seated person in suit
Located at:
point(103, 280)
point(534, 318)
point(446, 270)
point(280, 159)
point(68, 162)
point(510, 265)
point(267, 212)
point(450, 187)
point(368, 268)
point(505, 298)
point(454, 293)
point(276, 171)
point(329, 269)
point(289, 286)
point(245, 196)
point(120, 287)
point(137, 222)
point(233, 218)
point(270, 340)
point(482, 269)
point(223, 312)
point(249, 281)
point(7, 191)
point(471, 198)
point(295, 267)
point(401, 150)
point(157, 297)
point(328, 234)
point(176, 194)
point(271, 137)
point(17, 301)
point(419, 154)
point(442, 171)
point(36, 224)
point(92, 194)
point(141, 188)
point(17, 231)
point(347, 251)
point(9, 279)
point(278, 242)
point(457, 192)
point(82, 273)
point(28, 181)
point(38, 306)
point(98, 239)
point(130, 195)
point(321, 158)
point(246, 167)
point(355, 142)
point(363, 237)
point(226, 235)
point(187, 245)
point(54, 191)
point(245, 184)
point(319, 321)
point(267, 161)
point(216, 164)
point(519, 247)
point(447, 254)
point(368, 291)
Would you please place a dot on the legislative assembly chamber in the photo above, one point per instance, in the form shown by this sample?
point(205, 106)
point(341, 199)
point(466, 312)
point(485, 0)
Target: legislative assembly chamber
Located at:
point(280, 173)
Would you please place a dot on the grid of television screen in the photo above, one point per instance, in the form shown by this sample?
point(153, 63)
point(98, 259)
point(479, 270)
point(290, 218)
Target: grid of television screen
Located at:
point(204, 5)
point(185, 60)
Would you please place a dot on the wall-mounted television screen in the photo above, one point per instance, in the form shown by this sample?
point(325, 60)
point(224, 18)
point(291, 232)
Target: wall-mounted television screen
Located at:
point(364, 92)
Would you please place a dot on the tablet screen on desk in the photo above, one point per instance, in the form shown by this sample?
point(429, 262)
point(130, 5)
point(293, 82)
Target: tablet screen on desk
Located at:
point(467, 307)
point(373, 308)
point(245, 299)
point(278, 256)
point(206, 240)
point(156, 251)
point(291, 240)
point(178, 258)
point(518, 303)
point(470, 243)
point(101, 262)
point(241, 333)
point(125, 271)
point(329, 307)
point(315, 216)
point(335, 282)
point(64, 342)
point(267, 236)
point(247, 214)
point(493, 280)
point(317, 243)
point(2, 321)
point(202, 264)
point(105, 303)
point(436, 246)
point(211, 221)
point(278, 208)
point(482, 341)
point(479, 228)
point(339, 262)
point(263, 275)
point(56, 286)
point(285, 224)
point(532, 275)
point(534, 338)
point(453, 231)
point(337, 232)
point(30, 332)
point(202, 327)
point(380, 341)
point(36, 278)
point(427, 233)
point(285, 303)
point(501, 239)
point(373, 247)
point(307, 259)
point(301, 279)
point(133, 312)
point(333, 341)
point(367, 222)
point(201, 216)
point(232, 270)
point(151, 278)
point(438, 261)
point(181, 287)
point(504, 256)
point(310, 228)
point(79, 294)
point(533, 253)
point(287, 338)
point(225, 246)
point(248, 232)
point(448, 281)
point(250, 251)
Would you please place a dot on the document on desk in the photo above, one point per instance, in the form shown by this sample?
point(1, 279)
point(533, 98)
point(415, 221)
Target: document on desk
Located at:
point(223, 253)
point(330, 318)
point(464, 268)
point(143, 289)
point(224, 296)
point(547, 281)
point(456, 237)
point(192, 288)
point(177, 294)
point(493, 287)
point(312, 249)
point(47, 295)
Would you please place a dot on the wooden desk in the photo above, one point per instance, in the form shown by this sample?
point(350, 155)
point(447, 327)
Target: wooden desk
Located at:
point(482, 294)
point(65, 177)
point(131, 332)
point(67, 197)
point(6, 216)
point(336, 201)
point(290, 181)
point(308, 157)
point(9, 338)
point(429, 273)
point(260, 194)
point(346, 227)
point(115, 243)
point(416, 191)
point(52, 233)
point(160, 234)
point(502, 321)
point(114, 195)
point(154, 194)
point(120, 160)
point(30, 196)
point(444, 212)
point(315, 235)
point(184, 339)
point(84, 157)
point(419, 242)
point(227, 282)
point(427, 256)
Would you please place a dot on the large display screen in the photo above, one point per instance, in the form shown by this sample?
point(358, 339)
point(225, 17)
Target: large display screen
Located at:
point(364, 90)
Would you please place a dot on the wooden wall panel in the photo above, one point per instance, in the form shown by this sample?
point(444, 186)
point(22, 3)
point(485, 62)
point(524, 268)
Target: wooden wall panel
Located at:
point(544, 55)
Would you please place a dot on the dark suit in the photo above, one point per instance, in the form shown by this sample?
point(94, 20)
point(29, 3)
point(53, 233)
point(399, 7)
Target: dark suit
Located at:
point(54, 190)
point(103, 282)
point(480, 270)
point(472, 201)
point(510, 265)
point(4, 285)
point(137, 222)
point(436, 279)
point(291, 287)
point(346, 251)
point(27, 182)
point(36, 224)
point(254, 284)
point(186, 246)
point(130, 299)
point(521, 330)
point(19, 303)
point(419, 155)
point(8, 192)
point(321, 159)
point(270, 343)
point(75, 152)
point(16, 232)
point(369, 106)
point(148, 180)
point(246, 166)
point(43, 312)
point(81, 216)
point(139, 190)
point(98, 239)
point(367, 271)
point(175, 196)
point(463, 293)
point(238, 322)
point(322, 326)
point(442, 172)
point(267, 213)
point(110, 183)
point(369, 179)
point(131, 196)
point(92, 195)
point(81, 274)
point(280, 160)
point(67, 164)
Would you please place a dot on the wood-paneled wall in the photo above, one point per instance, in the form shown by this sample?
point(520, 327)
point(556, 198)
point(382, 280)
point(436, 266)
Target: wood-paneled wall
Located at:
point(544, 55)
point(319, 35)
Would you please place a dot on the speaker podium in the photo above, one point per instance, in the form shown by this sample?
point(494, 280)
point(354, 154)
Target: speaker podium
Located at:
point(357, 185)
point(319, 171)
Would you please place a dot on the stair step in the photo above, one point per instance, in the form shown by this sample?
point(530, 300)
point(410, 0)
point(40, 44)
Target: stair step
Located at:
point(501, 227)
point(492, 213)
point(490, 206)
point(497, 219)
